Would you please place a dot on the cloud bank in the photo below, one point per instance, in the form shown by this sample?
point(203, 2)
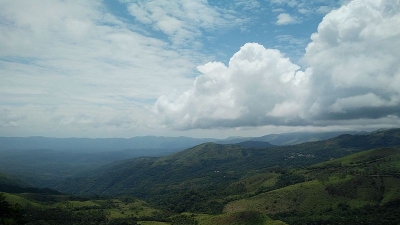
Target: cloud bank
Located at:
point(351, 74)
point(94, 68)
point(72, 66)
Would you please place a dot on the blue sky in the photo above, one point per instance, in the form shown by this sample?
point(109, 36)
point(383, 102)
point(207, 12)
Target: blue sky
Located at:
point(218, 68)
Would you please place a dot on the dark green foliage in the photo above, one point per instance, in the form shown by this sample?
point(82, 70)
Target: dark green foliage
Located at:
point(191, 201)
point(242, 218)
point(349, 188)
point(161, 216)
point(183, 220)
point(10, 188)
point(122, 221)
point(288, 178)
point(249, 218)
point(57, 216)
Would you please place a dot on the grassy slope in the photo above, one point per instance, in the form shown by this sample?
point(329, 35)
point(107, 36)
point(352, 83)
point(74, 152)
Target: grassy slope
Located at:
point(371, 177)
point(16, 199)
point(114, 208)
point(254, 182)
point(136, 208)
point(239, 218)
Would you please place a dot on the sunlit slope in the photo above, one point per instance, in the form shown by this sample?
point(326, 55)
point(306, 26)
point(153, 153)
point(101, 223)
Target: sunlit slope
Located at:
point(366, 178)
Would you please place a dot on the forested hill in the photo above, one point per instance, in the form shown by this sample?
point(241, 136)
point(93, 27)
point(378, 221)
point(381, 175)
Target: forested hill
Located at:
point(362, 188)
point(228, 184)
point(214, 166)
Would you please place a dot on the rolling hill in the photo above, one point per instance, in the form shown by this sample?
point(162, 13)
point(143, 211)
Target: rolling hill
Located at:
point(208, 170)
point(42, 162)
point(364, 183)
point(349, 179)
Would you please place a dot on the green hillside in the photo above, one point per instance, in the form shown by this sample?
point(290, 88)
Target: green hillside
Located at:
point(355, 182)
point(214, 166)
point(238, 218)
point(49, 209)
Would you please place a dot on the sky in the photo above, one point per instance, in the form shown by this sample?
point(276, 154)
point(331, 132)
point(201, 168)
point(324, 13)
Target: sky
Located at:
point(198, 68)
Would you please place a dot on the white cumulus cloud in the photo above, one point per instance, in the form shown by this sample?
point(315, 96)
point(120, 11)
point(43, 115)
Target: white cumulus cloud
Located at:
point(355, 58)
point(259, 86)
point(351, 77)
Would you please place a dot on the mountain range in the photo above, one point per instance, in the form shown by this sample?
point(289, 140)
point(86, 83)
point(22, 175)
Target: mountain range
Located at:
point(154, 143)
point(28, 158)
point(213, 166)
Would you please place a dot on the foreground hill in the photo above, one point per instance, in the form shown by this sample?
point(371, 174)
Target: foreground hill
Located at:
point(190, 180)
point(355, 189)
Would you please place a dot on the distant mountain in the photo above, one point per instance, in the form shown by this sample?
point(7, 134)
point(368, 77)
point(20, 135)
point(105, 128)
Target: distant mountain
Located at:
point(43, 162)
point(43, 167)
point(233, 140)
point(288, 138)
point(154, 143)
point(300, 137)
point(99, 144)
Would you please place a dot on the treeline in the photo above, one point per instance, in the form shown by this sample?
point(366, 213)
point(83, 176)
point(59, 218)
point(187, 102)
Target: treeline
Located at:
point(10, 188)
point(388, 214)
